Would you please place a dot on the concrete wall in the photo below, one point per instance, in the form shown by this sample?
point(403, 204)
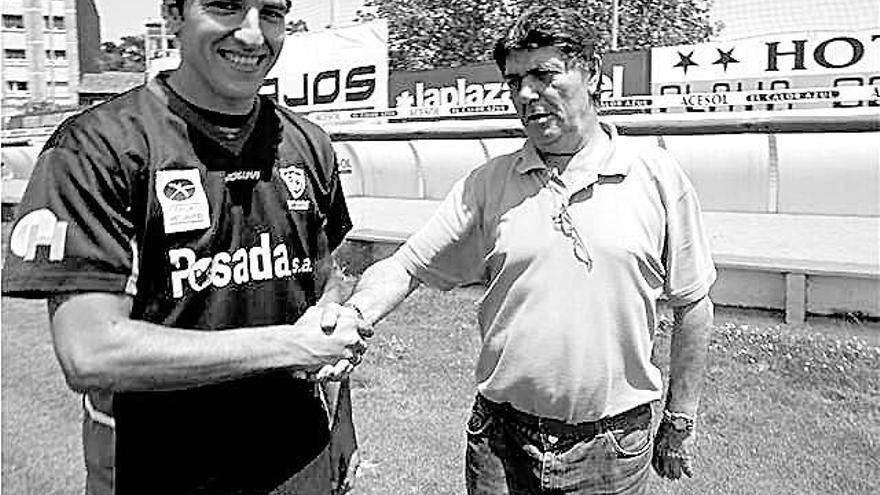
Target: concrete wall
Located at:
point(809, 173)
point(730, 172)
point(838, 174)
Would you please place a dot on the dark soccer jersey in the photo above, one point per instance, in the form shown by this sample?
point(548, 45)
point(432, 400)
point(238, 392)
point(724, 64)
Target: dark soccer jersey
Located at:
point(206, 231)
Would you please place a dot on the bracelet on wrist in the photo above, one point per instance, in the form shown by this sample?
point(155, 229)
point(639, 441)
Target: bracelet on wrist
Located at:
point(679, 421)
point(357, 310)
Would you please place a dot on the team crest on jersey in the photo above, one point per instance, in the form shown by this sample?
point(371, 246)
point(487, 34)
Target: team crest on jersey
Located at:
point(183, 200)
point(38, 228)
point(295, 179)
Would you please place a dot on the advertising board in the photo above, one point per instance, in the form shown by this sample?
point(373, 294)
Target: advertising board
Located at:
point(780, 62)
point(781, 72)
point(335, 69)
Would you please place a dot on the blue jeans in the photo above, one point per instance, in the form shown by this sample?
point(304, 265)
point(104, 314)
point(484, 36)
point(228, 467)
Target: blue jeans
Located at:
point(510, 452)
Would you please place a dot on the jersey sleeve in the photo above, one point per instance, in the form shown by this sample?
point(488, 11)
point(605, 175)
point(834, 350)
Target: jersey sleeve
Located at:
point(449, 250)
point(690, 271)
point(72, 233)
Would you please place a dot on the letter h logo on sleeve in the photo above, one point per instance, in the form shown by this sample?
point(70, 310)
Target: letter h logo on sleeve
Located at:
point(39, 228)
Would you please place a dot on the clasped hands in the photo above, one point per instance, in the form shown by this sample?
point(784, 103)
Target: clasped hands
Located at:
point(344, 332)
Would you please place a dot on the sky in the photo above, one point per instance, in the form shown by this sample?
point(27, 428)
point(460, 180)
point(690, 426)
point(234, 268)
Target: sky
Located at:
point(126, 18)
point(743, 18)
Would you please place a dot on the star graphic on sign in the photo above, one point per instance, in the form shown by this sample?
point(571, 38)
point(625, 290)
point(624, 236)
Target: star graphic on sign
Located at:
point(725, 58)
point(405, 100)
point(685, 61)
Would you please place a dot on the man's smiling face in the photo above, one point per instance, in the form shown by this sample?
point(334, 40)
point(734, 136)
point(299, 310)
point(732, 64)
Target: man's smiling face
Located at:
point(227, 47)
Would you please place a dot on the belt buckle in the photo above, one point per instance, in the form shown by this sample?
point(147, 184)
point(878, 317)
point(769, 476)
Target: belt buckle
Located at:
point(544, 429)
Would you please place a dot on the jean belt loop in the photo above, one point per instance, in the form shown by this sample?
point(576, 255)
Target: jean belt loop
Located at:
point(96, 415)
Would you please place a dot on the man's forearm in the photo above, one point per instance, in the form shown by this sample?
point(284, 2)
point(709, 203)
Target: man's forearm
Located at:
point(100, 347)
point(381, 288)
point(688, 353)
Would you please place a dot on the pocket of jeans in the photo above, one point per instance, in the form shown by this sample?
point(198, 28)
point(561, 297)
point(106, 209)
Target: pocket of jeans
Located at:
point(631, 442)
point(479, 421)
point(580, 450)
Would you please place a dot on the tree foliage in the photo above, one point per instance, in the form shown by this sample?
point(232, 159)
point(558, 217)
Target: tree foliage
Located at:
point(126, 56)
point(296, 26)
point(427, 34)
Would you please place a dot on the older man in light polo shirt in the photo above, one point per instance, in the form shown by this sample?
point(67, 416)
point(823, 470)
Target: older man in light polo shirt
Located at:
point(576, 237)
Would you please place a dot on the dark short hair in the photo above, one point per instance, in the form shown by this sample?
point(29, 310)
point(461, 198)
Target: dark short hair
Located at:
point(567, 29)
point(179, 4)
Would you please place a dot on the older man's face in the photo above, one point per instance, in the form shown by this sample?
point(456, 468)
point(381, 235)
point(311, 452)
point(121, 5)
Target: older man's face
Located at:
point(552, 100)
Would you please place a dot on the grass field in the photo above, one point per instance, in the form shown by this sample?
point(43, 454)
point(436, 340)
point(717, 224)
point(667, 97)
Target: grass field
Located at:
point(786, 410)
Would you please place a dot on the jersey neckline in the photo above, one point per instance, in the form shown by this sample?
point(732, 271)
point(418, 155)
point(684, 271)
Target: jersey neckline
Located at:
point(219, 127)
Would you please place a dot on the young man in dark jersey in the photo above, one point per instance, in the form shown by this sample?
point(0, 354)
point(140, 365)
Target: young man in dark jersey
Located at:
point(182, 233)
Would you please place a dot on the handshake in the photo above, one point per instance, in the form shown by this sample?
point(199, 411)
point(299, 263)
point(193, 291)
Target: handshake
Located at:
point(333, 339)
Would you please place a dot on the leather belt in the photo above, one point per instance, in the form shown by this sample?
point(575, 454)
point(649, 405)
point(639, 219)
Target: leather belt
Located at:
point(638, 415)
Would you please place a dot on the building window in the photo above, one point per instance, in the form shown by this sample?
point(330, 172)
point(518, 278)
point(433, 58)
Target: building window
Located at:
point(13, 21)
point(13, 54)
point(58, 89)
point(56, 55)
point(55, 22)
point(17, 85)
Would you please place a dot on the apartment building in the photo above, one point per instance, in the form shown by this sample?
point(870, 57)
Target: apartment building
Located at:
point(46, 46)
point(160, 46)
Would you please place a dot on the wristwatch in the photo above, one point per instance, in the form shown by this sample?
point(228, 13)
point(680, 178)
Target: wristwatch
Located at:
point(679, 421)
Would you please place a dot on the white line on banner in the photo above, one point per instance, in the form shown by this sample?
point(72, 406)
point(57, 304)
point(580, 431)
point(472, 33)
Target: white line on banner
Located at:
point(688, 100)
point(755, 97)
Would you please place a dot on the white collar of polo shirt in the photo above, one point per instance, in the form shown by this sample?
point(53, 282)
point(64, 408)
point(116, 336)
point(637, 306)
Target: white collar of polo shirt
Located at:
point(587, 165)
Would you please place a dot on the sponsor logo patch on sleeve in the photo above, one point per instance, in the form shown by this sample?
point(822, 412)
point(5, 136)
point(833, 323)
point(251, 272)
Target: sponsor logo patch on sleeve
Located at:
point(183, 200)
point(38, 228)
